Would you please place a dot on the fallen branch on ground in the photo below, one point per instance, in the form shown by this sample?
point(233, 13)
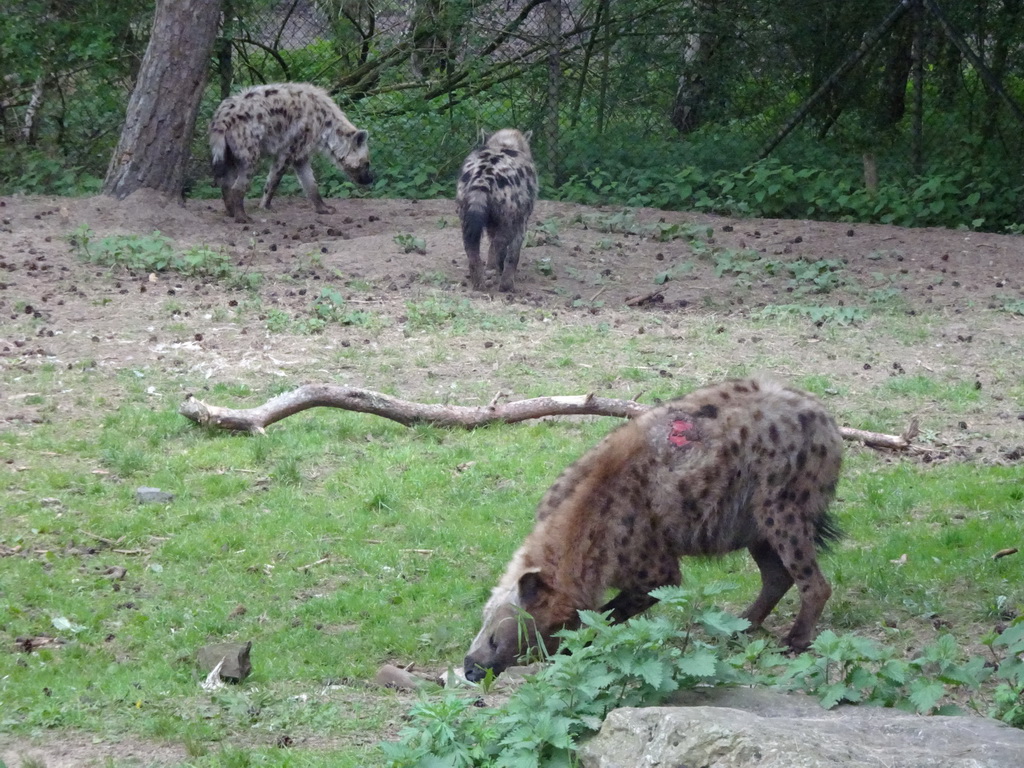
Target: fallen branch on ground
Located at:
point(256, 420)
point(881, 440)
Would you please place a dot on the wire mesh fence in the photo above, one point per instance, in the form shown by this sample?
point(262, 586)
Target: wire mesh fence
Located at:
point(651, 95)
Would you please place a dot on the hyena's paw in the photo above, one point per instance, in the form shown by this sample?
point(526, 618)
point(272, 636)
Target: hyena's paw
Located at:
point(322, 208)
point(507, 284)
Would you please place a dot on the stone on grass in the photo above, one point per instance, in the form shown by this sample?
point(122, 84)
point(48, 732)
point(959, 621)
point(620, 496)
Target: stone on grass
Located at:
point(748, 728)
point(236, 665)
point(390, 676)
point(146, 495)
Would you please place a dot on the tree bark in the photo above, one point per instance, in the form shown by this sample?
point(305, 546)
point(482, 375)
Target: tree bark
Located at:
point(157, 134)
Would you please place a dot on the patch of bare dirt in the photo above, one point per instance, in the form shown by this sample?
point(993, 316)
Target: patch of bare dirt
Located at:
point(577, 259)
point(582, 262)
point(72, 751)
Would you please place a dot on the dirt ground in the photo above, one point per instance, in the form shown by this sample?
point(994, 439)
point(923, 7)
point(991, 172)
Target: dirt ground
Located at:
point(580, 262)
point(57, 309)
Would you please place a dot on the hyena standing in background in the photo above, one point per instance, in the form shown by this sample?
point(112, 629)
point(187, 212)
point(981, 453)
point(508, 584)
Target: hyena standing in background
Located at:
point(743, 464)
point(290, 121)
point(496, 191)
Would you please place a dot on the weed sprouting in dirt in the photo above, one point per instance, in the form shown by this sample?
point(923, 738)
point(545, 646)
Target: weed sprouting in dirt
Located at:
point(411, 243)
point(150, 253)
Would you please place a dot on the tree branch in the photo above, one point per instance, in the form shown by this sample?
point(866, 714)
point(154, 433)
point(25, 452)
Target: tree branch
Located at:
point(256, 420)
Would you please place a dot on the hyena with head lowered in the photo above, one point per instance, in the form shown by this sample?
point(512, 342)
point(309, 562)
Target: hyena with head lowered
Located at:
point(496, 191)
point(742, 464)
point(290, 121)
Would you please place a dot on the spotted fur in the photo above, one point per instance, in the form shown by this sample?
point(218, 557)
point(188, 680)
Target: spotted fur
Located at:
point(290, 121)
point(496, 192)
point(745, 464)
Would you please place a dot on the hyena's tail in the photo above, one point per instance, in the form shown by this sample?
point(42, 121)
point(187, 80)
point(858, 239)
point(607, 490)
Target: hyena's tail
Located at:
point(223, 159)
point(474, 220)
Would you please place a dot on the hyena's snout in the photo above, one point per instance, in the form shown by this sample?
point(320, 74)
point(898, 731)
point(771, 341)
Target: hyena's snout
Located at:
point(363, 175)
point(474, 672)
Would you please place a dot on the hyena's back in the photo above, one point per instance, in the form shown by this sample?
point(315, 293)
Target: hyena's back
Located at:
point(746, 464)
point(742, 464)
point(290, 121)
point(496, 192)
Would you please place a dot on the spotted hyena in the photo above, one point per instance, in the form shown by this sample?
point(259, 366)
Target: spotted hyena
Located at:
point(290, 121)
point(496, 191)
point(742, 464)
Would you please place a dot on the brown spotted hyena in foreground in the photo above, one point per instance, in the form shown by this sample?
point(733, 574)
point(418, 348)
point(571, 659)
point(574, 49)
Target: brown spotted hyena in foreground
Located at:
point(743, 464)
point(496, 191)
point(290, 121)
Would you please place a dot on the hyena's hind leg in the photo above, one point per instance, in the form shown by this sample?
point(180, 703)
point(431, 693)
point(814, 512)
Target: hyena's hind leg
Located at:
point(503, 256)
point(511, 265)
point(792, 559)
point(775, 582)
point(305, 173)
point(277, 171)
point(233, 188)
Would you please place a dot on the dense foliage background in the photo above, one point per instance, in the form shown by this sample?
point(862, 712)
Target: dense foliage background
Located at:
point(735, 106)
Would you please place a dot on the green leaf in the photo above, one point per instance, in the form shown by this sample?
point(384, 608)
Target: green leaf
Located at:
point(1012, 637)
point(722, 623)
point(925, 694)
point(698, 664)
point(832, 695)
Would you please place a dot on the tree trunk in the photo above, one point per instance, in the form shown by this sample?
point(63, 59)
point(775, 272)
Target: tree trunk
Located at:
point(696, 80)
point(893, 98)
point(157, 134)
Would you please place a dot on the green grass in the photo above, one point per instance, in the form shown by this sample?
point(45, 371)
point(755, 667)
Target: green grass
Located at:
point(414, 523)
point(414, 526)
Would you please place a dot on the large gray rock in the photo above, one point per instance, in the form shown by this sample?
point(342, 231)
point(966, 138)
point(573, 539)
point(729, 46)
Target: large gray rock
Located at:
point(754, 728)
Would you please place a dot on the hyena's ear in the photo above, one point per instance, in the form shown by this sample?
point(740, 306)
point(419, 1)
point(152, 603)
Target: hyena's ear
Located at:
point(481, 137)
point(528, 135)
point(531, 587)
point(359, 139)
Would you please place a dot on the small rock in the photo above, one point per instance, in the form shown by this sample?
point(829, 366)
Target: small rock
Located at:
point(115, 572)
point(236, 666)
point(146, 495)
point(390, 676)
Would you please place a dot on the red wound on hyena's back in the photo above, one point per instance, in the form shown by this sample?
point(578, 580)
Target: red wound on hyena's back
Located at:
point(682, 434)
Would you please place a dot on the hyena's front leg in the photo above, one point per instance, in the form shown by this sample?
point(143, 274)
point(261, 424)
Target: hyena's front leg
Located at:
point(305, 173)
point(277, 169)
point(627, 604)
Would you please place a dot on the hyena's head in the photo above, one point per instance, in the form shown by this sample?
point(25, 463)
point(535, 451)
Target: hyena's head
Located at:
point(510, 138)
point(520, 617)
point(350, 151)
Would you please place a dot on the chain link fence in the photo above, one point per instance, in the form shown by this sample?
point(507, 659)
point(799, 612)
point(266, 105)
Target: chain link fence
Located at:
point(616, 92)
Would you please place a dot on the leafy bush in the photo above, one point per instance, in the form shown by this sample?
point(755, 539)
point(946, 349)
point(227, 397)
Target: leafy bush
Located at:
point(602, 667)
point(688, 643)
point(1009, 693)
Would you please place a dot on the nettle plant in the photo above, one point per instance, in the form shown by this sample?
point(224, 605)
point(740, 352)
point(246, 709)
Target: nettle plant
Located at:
point(686, 643)
point(150, 253)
